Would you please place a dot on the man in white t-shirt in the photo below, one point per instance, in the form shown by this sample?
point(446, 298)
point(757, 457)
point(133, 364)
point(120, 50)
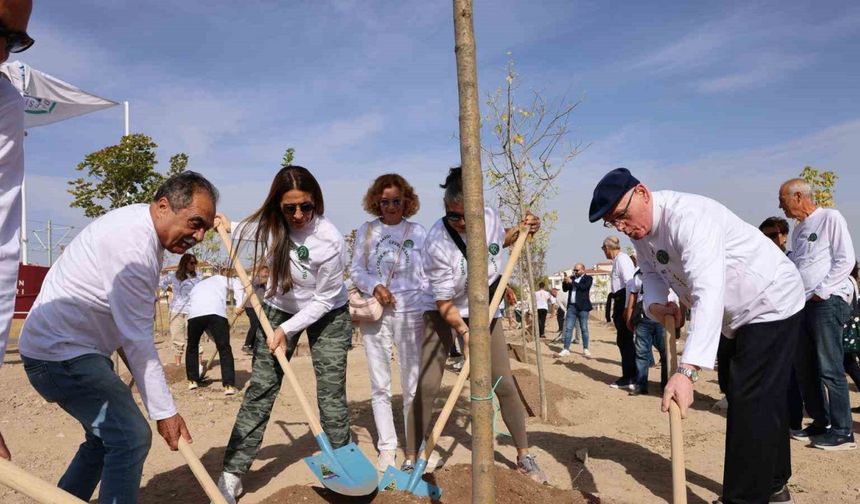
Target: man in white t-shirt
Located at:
point(14, 16)
point(98, 298)
point(824, 254)
point(542, 301)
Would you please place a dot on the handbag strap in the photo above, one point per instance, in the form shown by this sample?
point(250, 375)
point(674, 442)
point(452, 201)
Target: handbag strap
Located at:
point(399, 250)
point(458, 240)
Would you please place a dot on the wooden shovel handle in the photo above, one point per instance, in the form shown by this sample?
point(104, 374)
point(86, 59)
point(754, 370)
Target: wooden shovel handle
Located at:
point(679, 477)
point(464, 372)
point(200, 472)
point(315, 426)
point(43, 492)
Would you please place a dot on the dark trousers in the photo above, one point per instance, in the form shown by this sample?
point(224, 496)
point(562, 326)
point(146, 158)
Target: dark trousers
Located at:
point(758, 456)
point(252, 329)
point(219, 329)
point(559, 317)
point(807, 376)
point(724, 362)
point(541, 321)
point(624, 339)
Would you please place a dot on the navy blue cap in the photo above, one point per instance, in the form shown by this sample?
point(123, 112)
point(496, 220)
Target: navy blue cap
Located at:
point(609, 190)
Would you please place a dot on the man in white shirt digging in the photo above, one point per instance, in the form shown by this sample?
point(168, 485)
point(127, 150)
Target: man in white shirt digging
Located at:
point(735, 282)
point(99, 298)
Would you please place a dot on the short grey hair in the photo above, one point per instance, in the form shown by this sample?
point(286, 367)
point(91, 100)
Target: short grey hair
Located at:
point(179, 189)
point(612, 243)
point(798, 185)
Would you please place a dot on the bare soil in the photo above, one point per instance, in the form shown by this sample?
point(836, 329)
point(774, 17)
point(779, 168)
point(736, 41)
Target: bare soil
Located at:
point(596, 440)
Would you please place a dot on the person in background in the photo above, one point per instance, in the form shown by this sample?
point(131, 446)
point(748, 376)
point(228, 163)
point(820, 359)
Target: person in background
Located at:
point(559, 310)
point(207, 311)
point(823, 252)
point(14, 17)
point(852, 368)
point(388, 265)
point(306, 292)
point(622, 272)
point(180, 283)
point(542, 303)
point(649, 334)
point(259, 281)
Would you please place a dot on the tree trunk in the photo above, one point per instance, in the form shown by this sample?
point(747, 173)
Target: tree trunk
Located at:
point(483, 490)
point(535, 331)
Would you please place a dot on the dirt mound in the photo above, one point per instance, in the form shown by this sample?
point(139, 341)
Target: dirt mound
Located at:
point(527, 385)
point(456, 484)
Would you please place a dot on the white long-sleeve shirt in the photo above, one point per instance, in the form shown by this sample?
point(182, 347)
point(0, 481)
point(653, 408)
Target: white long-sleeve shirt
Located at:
point(316, 266)
point(209, 296)
point(723, 268)
point(542, 299)
point(622, 272)
point(181, 289)
point(376, 252)
point(445, 265)
point(11, 178)
point(824, 254)
point(100, 296)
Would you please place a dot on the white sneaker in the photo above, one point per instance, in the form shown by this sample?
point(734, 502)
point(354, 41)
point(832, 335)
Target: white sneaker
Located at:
point(230, 486)
point(387, 458)
point(459, 364)
point(564, 353)
point(586, 353)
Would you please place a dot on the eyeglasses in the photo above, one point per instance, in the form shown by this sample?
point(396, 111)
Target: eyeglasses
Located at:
point(16, 41)
point(385, 203)
point(454, 217)
point(611, 223)
point(290, 209)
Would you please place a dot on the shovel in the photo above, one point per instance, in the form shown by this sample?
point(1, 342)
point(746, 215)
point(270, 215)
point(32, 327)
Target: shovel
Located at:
point(200, 472)
point(679, 477)
point(344, 470)
point(39, 490)
point(396, 480)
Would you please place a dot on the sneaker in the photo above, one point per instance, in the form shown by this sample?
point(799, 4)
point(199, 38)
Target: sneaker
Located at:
point(192, 384)
point(810, 432)
point(564, 353)
point(618, 385)
point(407, 466)
point(230, 390)
point(834, 442)
point(586, 353)
point(781, 497)
point(248, 350)
point(230, 486)
point(721, 405)
point(637, 391)
point(528, 466)
point(387, 458)
point(458, 365)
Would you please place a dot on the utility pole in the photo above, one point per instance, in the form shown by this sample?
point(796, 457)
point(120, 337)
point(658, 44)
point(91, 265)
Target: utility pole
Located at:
point(50, 245)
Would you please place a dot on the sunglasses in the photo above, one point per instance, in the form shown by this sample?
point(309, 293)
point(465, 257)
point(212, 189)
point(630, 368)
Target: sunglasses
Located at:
point(290, 209)
point(385, 203)
point(454, 217)
point(16, 41)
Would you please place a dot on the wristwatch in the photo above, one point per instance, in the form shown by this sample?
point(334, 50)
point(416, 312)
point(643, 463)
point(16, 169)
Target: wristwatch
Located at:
point(692, 374)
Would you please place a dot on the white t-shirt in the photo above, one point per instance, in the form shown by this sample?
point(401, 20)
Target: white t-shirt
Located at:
point(316, 266)
point(181, 289)
point(11, 178)
point(622, 271)
point(445, 266)
point(209, 296)
point(375, 255)
point(824, 254)
point(542, 299)
point(100, 296)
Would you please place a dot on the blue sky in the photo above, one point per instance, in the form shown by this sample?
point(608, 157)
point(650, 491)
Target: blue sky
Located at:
point(726, 99)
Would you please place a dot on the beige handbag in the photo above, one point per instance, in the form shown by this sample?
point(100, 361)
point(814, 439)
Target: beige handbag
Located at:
point(367, 308)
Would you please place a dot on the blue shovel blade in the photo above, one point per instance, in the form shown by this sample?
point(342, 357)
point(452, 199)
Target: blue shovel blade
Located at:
point(345, 470)
point(395, 480)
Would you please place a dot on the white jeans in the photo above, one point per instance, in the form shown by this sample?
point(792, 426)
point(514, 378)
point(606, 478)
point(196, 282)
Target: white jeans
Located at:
point(404, 330)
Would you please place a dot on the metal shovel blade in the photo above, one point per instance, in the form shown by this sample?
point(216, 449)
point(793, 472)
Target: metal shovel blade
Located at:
point(396, 480)
point(345, 470)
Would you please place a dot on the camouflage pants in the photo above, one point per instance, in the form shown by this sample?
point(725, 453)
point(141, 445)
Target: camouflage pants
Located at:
point(329, 340)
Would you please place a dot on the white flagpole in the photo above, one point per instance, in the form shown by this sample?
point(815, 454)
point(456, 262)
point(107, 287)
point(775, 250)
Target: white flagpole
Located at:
point(125, 104)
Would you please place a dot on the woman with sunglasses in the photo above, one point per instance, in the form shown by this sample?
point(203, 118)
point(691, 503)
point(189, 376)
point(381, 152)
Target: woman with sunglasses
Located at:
point(304, 252)
point(180, 284)
point(446, 269)
point(387, 264)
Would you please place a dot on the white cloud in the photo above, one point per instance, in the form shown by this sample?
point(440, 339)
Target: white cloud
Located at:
point(761, 71)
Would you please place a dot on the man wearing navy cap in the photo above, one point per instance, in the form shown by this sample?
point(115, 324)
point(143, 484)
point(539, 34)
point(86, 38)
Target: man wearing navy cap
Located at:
point(736, 283)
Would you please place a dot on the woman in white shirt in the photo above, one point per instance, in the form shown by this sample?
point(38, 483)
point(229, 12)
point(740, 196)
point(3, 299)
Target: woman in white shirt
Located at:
point(181, 284)
point(387, 264)
point(542, 297)
point(304, 252)
point(445, 267)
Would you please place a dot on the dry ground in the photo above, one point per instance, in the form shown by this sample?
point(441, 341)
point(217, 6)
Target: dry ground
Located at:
point(626, 438)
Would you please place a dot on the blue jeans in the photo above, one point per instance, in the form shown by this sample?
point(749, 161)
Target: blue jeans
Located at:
point(118, 436)
point(578, 319)
point(648, 334)
point(825, 319)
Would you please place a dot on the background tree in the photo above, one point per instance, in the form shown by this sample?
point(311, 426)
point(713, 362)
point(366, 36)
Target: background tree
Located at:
point(120, 175)
point(823, 185)
point(530, 150)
